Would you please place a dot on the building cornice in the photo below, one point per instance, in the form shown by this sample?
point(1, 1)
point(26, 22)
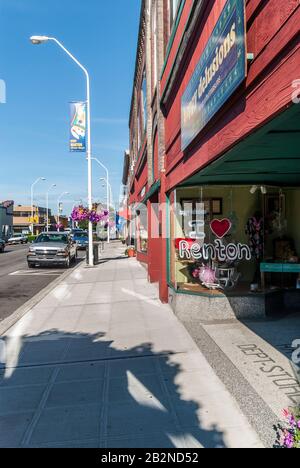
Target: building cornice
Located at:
point(139, 54)
point(196, 11)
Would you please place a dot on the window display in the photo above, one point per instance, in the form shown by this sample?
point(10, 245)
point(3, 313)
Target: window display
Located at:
point(142, 229)
point(227, 252)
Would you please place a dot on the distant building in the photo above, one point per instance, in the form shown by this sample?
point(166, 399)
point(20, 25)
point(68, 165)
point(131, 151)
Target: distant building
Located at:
point(22, 219)
point(6, 219)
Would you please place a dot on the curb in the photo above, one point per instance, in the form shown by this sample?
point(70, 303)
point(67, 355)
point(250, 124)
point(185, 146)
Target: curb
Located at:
point(10, 321)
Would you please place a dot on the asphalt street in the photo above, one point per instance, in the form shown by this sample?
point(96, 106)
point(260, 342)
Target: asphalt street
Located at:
point(18, 283)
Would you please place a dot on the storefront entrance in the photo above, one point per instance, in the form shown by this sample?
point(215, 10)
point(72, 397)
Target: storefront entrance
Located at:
point(235, 230)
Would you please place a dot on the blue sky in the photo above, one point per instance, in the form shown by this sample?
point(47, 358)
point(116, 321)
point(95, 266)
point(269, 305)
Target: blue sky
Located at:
point(42, 80)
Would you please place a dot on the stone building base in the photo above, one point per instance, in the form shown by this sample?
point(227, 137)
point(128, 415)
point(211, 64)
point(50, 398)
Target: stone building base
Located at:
point(190, 308)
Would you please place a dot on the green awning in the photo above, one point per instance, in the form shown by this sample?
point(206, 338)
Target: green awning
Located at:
point(155, 187)
point(271, 156)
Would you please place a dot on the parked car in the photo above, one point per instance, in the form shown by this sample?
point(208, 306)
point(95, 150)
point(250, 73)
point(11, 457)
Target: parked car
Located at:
point(2, 245)
point(81, 238)
point(75, 231)
point(18, 239)
point(52, 249)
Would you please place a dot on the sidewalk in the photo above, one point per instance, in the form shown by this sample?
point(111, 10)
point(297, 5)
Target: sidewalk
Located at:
point(100, 362)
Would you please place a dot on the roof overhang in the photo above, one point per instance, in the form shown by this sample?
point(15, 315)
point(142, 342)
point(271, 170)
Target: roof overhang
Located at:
point(270, 156)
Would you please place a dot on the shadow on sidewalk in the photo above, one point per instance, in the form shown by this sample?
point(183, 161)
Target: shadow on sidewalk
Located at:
point(65, 389)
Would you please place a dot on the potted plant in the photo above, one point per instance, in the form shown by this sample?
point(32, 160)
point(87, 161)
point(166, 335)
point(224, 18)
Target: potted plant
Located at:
point(130, 252)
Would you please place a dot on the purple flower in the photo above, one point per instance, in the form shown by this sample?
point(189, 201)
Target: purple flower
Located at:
point(292, 421)
point(82, 213)
point(288, 441)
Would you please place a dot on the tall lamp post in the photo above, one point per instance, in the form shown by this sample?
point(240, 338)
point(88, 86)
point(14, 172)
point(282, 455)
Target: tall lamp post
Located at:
point(58, 207)
point(36, 40)
point(109, 201)
point(107, 191)
point(32, 188)
point(47, 206)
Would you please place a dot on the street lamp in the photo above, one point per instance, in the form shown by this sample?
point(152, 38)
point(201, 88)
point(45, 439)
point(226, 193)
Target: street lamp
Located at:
point(109, 202)
point(47, 205)
point(107, 190)
point(37, 40)
point(32, 187)
point(58, 207)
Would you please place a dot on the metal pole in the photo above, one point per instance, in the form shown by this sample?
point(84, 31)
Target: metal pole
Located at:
point(108, 209)
point(89, 158)
point(58, 215)
point(47, 206)
point(32, 226)
point(47, 214)
point(89, 144)
point(58, 208)
point(32, 187)
point(107, 193)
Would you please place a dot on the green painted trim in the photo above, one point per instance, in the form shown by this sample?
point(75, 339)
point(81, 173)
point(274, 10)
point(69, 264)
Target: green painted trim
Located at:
point(206, 175)
point(177, 52)
point(173, 34)
point(168, 227)
point(152, 191)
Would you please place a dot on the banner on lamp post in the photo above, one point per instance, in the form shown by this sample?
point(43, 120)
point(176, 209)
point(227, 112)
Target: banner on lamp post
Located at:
point(78, 127)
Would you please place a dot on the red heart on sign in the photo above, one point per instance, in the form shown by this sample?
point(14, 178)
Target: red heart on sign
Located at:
point(220, 228)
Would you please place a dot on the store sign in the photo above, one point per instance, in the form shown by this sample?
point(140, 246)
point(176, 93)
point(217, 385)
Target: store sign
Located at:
point(216, 252)
point(191, 249)
point(78, 127)
point(221, 69)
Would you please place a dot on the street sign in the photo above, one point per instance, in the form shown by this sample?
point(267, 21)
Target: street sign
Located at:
point(221, 69)
point(33, 220)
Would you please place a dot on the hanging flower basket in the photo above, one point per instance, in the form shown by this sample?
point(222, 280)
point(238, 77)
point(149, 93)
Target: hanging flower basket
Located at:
point(81, 213)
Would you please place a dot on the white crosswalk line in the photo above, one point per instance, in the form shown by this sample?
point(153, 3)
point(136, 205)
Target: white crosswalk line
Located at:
point(36, 273)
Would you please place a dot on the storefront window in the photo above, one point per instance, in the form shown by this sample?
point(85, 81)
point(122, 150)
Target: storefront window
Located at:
point(234, 239)
point(142, 229)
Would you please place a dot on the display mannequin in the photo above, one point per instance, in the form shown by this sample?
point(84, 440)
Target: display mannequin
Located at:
point(255, 230)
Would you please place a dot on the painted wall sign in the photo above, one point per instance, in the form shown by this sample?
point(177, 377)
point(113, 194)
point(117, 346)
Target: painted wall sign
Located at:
point(220, 228)
point(78, 127)
point(221, 69)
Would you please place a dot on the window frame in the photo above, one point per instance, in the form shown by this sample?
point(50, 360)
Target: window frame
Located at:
point(173, 12)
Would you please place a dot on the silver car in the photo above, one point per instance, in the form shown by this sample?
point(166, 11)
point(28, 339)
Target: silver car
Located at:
point(52, 249)
point(17, 239)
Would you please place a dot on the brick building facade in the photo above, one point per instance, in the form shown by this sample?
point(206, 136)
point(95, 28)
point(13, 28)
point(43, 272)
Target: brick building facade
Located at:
point(215, 123)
